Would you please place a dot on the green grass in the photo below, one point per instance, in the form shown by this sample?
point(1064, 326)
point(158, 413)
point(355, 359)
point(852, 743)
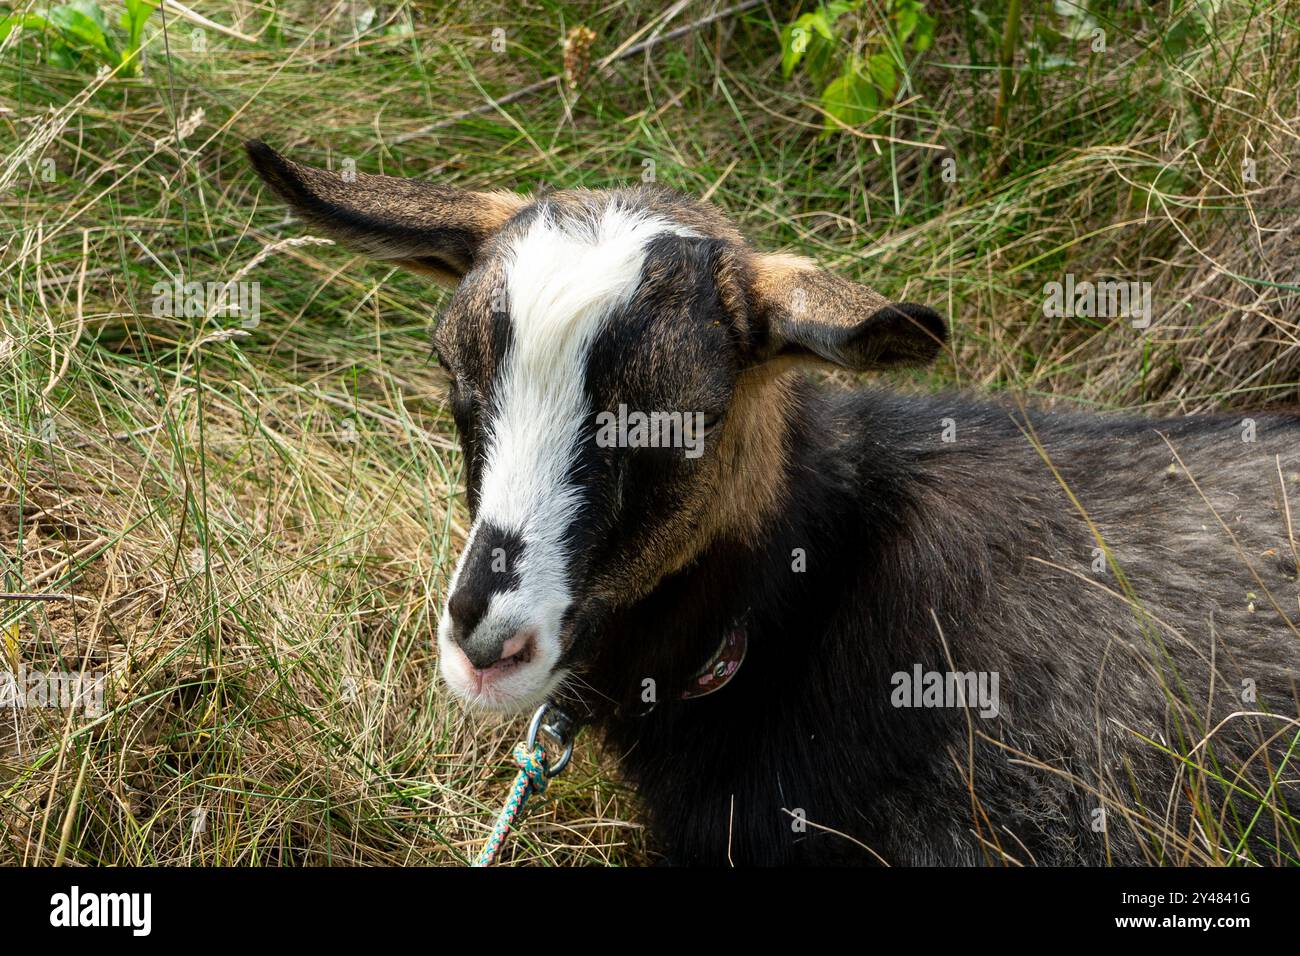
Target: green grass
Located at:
point(252, 531)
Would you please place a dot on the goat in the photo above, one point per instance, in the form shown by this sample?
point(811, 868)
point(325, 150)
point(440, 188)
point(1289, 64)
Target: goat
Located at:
point(854, 565)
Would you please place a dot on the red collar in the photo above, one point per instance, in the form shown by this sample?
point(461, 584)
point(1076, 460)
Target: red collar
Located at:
point(721, 667)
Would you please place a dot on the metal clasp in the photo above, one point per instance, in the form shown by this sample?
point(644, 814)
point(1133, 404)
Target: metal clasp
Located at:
point(559, 727)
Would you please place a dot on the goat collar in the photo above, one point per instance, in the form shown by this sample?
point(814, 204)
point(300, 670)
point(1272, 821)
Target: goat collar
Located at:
point(722, 666)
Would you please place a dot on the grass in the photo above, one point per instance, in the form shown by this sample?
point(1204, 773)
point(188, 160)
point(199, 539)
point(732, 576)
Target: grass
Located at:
point(249, 529)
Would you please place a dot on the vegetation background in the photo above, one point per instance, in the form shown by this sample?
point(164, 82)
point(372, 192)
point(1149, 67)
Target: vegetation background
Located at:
point(248, 526)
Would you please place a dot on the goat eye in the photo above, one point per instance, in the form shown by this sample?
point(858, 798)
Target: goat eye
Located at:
point(462, 405)
point(704, 425)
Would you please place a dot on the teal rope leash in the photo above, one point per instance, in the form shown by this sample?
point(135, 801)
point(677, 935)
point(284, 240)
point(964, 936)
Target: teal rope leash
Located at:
point(533, 776)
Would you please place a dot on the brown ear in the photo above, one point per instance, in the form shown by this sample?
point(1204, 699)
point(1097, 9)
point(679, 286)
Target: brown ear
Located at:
point(803, 310)
point(421, 225)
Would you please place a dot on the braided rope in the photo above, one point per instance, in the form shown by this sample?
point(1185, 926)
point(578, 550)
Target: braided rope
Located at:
point(532, 778)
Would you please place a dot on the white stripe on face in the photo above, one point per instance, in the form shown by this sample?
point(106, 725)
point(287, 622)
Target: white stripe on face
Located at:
point(563, 279)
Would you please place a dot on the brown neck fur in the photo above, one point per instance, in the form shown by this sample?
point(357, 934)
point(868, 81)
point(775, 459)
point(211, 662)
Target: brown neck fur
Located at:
point(750, 483)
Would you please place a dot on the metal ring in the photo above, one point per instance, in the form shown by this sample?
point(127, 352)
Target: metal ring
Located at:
point(535, 725)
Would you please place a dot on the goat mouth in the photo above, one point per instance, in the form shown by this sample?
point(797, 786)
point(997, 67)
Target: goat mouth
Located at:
point(522, 675)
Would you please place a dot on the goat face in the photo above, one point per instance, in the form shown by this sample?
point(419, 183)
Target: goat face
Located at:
point(608, 353)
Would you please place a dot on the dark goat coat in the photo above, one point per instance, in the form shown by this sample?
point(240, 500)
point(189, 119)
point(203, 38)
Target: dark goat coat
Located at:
point(907, 538)
point(976, 555)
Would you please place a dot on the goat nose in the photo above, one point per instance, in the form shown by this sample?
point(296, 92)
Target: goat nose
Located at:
point(484, 652)
point(482, 645)
point(466, 608)
point(487, 568)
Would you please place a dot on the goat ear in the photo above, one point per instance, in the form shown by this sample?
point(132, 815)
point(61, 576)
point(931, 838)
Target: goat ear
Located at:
point(423, 226)
point(801, 310)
